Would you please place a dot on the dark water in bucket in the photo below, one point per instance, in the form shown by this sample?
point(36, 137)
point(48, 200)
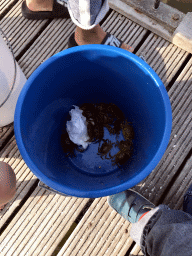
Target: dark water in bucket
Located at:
point(91, 162)
point(88, 161)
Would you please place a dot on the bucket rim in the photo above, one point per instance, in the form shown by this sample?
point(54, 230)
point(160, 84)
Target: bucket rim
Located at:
point(136, 178)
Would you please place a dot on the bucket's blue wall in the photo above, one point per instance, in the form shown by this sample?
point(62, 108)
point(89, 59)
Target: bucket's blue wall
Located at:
point(90, 76)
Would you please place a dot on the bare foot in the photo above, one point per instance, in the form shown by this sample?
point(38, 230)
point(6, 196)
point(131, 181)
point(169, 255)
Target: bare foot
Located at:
point(94, 36)
point(127, 47)
point(40, 5)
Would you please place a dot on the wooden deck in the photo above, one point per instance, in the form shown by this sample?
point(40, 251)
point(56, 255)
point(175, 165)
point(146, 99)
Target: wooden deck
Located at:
point(39, 222)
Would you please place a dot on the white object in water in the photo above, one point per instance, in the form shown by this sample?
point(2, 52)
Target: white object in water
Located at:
point(77, 128)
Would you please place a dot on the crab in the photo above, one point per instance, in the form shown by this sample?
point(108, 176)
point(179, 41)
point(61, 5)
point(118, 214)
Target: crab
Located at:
point(127, 130)
point(110, 129)
point(105, 148)
point(94, 122)
point(67, 145)
point(124, 154)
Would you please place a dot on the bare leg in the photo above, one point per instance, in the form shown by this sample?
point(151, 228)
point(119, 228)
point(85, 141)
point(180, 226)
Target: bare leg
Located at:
point(40, 5)
point(94, 36)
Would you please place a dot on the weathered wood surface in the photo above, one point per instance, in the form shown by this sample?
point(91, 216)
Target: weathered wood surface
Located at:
point(101, 232)
point(4, 5)
point(55, 38)
point(41, 223)
point(5, 132)
point(20, 31)
point(25, 178)
point(164, 57)
point(180, 141)
point(180, 145)
point(41, 219)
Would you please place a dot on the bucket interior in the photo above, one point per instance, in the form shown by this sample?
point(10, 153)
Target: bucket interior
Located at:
point(89, 76)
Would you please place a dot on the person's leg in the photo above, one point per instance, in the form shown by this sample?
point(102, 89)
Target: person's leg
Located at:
point(87, 14)
point(160, 231)
point(94, 36)
point(44, 9)
point(7, 184)
point(40, 5)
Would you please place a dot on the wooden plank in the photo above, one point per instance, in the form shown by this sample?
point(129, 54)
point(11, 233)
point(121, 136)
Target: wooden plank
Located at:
point(164, 57)
point(174, 198)
point(181, 102)
point(4, 5)
point(25, 178)
point(20, 31)
point(51, 219)
point(55, 39)
point(136, 251)
point(124, 29)
point(52, 40)
point(5, 132)
point(45, 213)
point(100, 232)
point(180, 141)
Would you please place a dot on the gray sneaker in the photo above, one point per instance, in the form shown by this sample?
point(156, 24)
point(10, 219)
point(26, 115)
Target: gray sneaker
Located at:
point(130, 204)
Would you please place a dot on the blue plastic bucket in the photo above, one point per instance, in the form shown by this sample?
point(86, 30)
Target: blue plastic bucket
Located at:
point(91, 73)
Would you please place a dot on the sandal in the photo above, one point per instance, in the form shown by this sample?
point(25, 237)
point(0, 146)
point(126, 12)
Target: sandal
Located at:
point(130, 205)
point(59, 11)
point(108, 40)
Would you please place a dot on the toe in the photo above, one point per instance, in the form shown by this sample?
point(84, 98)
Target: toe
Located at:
point(127, 47)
